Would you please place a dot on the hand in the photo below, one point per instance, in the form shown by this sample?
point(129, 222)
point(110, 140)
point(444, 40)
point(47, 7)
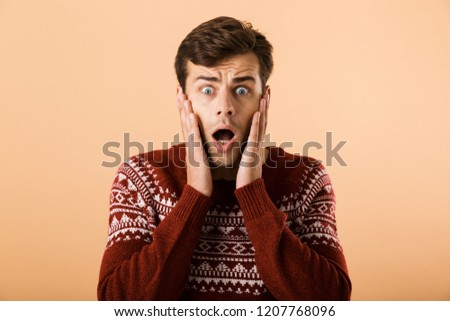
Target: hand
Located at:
point(253, 157)
point(197, 166)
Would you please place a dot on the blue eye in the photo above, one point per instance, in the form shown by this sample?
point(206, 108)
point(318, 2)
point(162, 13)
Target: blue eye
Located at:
point(207, 90)
point(241, 91)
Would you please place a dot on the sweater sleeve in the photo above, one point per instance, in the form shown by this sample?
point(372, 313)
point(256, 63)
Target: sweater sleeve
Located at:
point(308, 265)
point(145, 260)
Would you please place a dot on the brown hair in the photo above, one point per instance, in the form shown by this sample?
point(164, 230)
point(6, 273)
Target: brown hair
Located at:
point(220, 38)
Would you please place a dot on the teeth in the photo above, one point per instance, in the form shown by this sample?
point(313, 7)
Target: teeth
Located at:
point(223, 141)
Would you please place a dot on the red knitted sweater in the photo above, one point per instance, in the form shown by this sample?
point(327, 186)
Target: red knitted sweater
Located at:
point(272, 239)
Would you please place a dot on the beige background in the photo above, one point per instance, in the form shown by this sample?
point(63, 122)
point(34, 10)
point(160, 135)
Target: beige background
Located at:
point(77, 74)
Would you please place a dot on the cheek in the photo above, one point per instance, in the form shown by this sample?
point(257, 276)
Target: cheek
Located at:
point(250, 110)
point(199, 103)
point(201, 118)
point(201, 113)
point(252, 107)
point(199, 100)
point(197, 106)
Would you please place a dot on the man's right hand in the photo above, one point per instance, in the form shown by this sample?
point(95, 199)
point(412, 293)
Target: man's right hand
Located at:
point(197, 165)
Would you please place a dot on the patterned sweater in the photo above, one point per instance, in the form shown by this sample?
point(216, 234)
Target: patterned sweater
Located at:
point(272, 239)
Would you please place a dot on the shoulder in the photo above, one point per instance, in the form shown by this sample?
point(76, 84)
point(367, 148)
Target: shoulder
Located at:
point(157, 160)
point(283, 164)
point(285, 173)
point(160, 158)
point(158, 167)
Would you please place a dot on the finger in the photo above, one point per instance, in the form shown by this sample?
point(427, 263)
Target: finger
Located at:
point(254, 131)
point(267, 113)
point(263, 120)
point(266, 116)
point(180, 97)
point(187, 119)
point(264, 131)
point(194, 124)
point(196, 139)
point(180, 111)
point(184, 116)
point(267, 97)
point(189, 107)
point(180, 101)
point(190, 110)
point(195, 130)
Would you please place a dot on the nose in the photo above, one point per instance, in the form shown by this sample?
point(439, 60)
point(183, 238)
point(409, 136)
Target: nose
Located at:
point(225, 105)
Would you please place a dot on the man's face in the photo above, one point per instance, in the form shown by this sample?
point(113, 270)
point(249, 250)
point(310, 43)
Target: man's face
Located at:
point(224, 98)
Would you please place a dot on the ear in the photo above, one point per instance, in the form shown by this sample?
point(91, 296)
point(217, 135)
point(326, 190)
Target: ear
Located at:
point(179, 89)
point(267, 93)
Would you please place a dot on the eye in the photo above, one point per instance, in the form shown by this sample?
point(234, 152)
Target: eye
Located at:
point(241, 91)
point(207, 90)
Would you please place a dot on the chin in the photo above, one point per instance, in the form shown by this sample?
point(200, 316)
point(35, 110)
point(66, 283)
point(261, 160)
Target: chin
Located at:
point(225, 161)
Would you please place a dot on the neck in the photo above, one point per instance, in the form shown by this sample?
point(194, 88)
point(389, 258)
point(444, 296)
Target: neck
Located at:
point(229, 173)
point(225, 173)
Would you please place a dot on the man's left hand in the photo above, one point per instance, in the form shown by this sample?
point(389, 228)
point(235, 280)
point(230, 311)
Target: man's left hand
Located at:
point(253, 157)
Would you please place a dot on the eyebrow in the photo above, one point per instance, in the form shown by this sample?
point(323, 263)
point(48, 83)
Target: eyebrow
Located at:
point(235, 80)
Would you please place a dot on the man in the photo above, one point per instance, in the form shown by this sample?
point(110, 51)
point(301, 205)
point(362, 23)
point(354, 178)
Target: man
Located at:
point(223, 218)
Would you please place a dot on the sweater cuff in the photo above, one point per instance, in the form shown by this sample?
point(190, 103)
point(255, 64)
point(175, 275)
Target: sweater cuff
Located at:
point(254, 200)
point(192, 206)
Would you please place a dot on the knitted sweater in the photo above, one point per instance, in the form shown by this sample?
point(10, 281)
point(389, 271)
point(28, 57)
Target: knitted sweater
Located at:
point(274, 238)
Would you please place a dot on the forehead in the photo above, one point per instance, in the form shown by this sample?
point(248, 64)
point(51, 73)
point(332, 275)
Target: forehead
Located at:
point(235, 66)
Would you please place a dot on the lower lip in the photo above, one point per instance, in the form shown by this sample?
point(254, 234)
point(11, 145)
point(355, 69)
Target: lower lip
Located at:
point(223, 148)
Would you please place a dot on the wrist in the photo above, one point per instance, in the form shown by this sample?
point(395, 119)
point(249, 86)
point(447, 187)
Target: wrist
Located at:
point(201, 188)
point(247, 178)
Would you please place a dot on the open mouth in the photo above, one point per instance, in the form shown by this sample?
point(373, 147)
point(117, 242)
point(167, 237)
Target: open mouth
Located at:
point(223, 136)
